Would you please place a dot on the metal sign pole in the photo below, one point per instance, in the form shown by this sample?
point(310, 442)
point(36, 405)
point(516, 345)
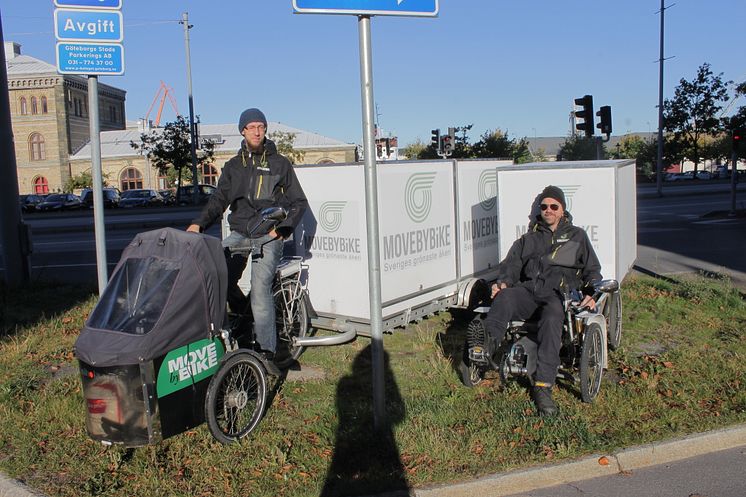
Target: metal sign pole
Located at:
point(371, 212)
point(97, 177)
point(192, 133)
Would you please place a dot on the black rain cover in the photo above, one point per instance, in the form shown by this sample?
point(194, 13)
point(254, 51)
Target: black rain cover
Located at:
point(168, 290)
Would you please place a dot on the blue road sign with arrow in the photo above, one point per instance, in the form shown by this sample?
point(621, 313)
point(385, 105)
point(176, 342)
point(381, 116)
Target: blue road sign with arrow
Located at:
point(368, 7)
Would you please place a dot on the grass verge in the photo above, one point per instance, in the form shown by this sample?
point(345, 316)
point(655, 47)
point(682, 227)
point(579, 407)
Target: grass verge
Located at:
point(679, 371)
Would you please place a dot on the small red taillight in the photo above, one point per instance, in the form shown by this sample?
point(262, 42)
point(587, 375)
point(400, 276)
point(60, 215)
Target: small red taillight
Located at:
point(96, 406)
point(90, 374)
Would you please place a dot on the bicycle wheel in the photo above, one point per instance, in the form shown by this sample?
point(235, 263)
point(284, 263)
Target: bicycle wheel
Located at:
point(613, 314)
point(591, 366)
point(236, 397)
point(291, 317)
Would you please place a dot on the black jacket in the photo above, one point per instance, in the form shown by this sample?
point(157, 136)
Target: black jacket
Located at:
point(548, 262)
point(251, 182)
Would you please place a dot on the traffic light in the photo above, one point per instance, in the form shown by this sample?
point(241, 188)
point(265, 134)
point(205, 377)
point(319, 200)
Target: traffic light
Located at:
point(435, 140)
point(586, 115)
point(449, 141)
point(739, 147)
point(604, 115)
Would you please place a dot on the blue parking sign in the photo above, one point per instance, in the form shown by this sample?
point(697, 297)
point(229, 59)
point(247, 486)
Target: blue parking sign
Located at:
point(88, 25)
point(96, 4)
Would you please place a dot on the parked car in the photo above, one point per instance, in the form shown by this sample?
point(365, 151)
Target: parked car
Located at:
point(140, 198)
point(680, 176)
point(110, 195)
point(29, 202)
point(169, 198)
point(59, 202)
point(704, 175)
point(185, 193)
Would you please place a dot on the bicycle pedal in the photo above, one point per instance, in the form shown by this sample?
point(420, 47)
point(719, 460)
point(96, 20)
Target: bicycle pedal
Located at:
point(478, 355)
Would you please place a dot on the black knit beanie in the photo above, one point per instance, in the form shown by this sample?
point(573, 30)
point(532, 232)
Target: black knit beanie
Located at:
point(251, 116)
point(556, 193)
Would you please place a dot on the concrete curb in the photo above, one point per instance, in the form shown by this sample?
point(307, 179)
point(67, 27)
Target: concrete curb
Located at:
point(14, 488)
point(514, 482)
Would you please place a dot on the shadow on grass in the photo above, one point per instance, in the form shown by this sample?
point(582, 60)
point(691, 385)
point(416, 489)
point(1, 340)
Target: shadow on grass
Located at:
point(366, 461)
point(453, 341)
point(32, 303)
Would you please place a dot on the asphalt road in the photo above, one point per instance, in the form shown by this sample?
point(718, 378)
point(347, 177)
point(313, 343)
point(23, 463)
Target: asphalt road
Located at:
point(690, 231)
point(718, 474)
point(685, 231)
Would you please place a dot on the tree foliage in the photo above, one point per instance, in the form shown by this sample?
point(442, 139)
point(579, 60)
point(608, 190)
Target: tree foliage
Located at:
point(169, 150)
point(284, 142)
point(692, 114)
point(491, 145)
point(80, 181)
point(579, 148)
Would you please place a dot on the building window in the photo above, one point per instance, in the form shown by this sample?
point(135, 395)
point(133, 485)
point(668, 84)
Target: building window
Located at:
point(24, 109)
point(44, 108)
point(209, 175)
point(34, 106)
point(131, 179)
point(36, 147)
point(112, 114)
point(41, 185)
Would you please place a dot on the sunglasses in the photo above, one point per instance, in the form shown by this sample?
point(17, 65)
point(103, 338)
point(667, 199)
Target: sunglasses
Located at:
point(554, 207)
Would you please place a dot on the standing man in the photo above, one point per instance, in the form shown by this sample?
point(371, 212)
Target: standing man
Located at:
point(257, 177)
point(545, 264)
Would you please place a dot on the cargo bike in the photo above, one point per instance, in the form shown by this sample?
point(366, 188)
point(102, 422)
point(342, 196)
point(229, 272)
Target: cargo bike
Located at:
point(159, 354)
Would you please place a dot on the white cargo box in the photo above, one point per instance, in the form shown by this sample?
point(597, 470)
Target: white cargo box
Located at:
point(442, 225)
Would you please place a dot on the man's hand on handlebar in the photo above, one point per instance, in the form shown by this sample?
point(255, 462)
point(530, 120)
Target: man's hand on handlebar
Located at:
point(588, 302)
point(496, 289)
point(194, 228)
point(274, 234)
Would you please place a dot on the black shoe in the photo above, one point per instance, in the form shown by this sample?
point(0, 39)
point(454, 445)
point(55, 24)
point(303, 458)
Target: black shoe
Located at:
point(542, 397)
point(481, 355)
point(268, 358)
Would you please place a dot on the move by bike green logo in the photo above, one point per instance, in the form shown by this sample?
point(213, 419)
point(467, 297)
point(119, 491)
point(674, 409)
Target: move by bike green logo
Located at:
point(418, 196)
point(330, 215)
point(487, 189)
point(189, 364)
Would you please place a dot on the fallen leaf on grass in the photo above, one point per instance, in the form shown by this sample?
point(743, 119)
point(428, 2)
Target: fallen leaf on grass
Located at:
point(668, 364)
point(644, 375)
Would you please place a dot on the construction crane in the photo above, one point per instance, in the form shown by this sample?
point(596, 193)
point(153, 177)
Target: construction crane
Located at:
point(163, 92)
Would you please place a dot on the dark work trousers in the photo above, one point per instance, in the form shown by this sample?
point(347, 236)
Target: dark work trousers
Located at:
point(518, 303)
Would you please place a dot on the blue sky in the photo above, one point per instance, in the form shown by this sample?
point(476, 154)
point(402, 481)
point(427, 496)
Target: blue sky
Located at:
point(514, 65)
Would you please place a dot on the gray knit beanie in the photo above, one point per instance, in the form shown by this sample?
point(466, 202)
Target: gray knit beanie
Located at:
point(556, 193)
point(251, 116)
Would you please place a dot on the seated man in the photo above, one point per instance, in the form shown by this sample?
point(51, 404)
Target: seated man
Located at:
point(551, 259)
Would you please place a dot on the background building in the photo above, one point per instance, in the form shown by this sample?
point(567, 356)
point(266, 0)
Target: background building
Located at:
point(49, 117)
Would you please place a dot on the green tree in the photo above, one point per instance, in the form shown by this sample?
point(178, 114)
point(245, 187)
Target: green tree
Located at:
point(579, 148)
point(494, 145)
point(413, 150)
point(692, 114)
point(643, 151)
point(284, 142)
point(169, 150)
point(80, 181)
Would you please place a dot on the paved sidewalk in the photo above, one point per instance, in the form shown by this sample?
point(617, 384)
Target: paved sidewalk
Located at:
point(524, 481)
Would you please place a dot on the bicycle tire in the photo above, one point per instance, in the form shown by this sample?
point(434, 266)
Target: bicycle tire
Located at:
point(591, 362)
point(613, 314)
point(236, 397)
point(291, 318)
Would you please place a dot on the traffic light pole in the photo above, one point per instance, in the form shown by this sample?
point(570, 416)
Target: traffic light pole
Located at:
point(733, 177)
